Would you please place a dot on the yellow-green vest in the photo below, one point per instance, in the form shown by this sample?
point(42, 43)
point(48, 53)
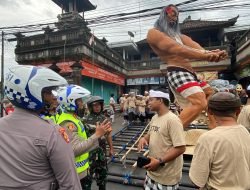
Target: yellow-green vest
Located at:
point(81, 162)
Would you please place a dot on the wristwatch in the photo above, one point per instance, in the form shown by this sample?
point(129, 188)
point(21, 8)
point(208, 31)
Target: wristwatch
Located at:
point(161, 162)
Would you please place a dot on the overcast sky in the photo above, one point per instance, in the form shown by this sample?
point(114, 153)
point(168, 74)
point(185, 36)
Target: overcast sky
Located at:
point(22, 12)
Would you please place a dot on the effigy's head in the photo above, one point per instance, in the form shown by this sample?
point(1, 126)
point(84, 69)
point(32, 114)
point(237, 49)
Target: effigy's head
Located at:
point(168, 21)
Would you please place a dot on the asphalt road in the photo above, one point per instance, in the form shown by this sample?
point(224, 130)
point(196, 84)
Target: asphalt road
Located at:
point(117, 125)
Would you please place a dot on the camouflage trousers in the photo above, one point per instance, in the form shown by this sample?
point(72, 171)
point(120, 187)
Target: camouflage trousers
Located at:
point(86, 183)
point(98, 167)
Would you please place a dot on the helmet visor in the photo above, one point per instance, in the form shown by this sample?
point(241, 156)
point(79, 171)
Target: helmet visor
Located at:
point(49, 97)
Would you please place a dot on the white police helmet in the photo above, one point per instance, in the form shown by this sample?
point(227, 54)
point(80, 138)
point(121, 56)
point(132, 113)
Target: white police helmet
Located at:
point(23, 85)
point(67, 96)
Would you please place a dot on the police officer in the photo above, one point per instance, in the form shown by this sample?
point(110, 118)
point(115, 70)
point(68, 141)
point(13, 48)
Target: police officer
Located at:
point(98, 161)
point(33, 153)
point(71, 100)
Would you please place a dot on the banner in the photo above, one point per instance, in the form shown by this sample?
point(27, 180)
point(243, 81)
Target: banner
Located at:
point(207, 76)
point(93, 71)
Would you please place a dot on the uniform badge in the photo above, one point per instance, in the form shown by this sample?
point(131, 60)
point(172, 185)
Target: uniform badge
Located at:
point(64, 134)
point(71, 127)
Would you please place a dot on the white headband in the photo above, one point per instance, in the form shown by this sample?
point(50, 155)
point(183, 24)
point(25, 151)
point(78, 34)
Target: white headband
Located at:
point(158, 94)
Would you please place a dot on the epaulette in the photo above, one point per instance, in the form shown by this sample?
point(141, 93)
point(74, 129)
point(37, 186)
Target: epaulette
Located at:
point(64, 134)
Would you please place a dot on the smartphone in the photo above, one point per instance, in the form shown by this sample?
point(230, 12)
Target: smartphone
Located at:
point(142, 161)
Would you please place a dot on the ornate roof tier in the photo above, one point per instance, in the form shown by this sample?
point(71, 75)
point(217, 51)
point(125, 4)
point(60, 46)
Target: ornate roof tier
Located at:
point(75, 5)
point(194, 25)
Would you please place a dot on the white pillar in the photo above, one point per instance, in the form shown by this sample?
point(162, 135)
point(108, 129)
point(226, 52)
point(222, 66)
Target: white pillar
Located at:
point(124, 54)
point(71, 6)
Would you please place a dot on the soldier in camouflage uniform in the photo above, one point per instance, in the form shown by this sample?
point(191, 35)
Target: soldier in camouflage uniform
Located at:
point(97, 157)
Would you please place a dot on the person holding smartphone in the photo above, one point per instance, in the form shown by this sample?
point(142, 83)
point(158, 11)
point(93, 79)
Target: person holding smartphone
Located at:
point(166, 143)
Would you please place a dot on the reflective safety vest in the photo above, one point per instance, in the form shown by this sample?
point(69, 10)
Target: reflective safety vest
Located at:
point(81, 162)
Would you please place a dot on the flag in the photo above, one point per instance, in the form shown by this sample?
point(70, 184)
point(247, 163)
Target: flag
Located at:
point(91, 39)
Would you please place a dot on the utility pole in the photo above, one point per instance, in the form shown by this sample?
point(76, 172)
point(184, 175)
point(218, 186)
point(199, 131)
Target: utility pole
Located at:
point(2, 75)
point(93, 59)
point(64, 50)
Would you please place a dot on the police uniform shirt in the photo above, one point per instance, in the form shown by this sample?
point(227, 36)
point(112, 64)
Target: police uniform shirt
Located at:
point(34, 154)
point(80, 145)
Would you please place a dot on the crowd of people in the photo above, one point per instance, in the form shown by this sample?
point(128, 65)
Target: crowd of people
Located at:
point(135, 107)
point(221, 159)
point(48, 141)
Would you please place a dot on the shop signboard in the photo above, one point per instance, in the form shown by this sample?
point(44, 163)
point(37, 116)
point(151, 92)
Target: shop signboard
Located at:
point(93, 71)
point(146, 80)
